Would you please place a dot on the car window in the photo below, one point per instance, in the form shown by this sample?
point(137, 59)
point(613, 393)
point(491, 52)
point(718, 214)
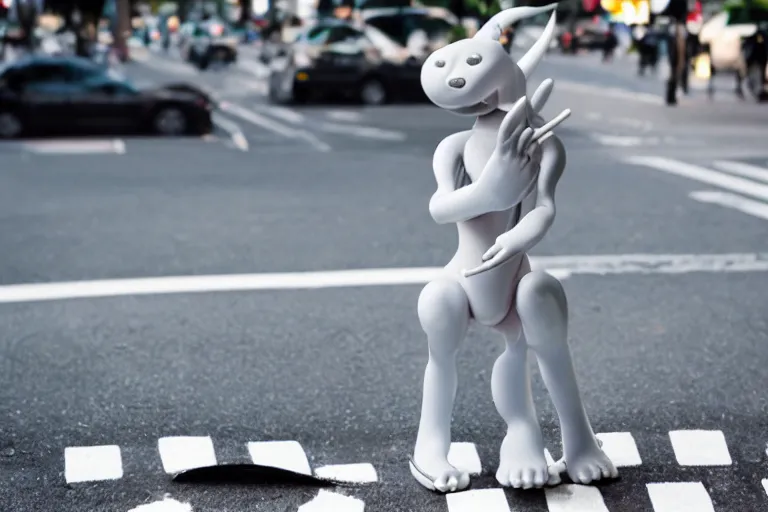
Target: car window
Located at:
point(343, 34)
point(400, 26)
point(44, 73)
point(317, 35)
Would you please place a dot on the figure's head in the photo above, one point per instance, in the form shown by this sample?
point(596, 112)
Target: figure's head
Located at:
point(474, 76)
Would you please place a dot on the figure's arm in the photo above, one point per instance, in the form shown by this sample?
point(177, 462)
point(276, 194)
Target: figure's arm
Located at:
point(532, 227)
point(450, 204)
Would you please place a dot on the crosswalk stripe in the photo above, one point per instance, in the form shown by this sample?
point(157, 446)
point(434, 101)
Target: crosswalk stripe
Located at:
point(680, 497)
point(574, 498)
point(702, 174)
point(621, 448)
point(742, 169)
point(92, 463)
point(166, 505)
point(700, 448)
point(765, 485)
point(732, 201)
point(487, 500)
point(352, 473)
point(280, 454)
point(327, 501)
point(464, 457)
point(183, 453)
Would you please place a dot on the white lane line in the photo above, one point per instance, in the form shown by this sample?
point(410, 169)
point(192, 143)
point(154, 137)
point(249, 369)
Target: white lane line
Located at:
point(575, 498)
point(487, 500)
point(234, 131)
point(622, 140)
point(166, 505)
point(92, 463)
point(742, 169)
point(464, 457)
point(183, 453)
point(765, 485)
point(702, 174)
point(253, 67)
point(280, 454)
point(352, 473)
point(621, 448)
point(732, 201)
point(326, 501)
point(560, 267)
point(344, 115)
point(286, 114)
point(274, 126)
point(700, 448)
point(75, 147)
point(680, 497)
point(368, 132)
point(610, 92)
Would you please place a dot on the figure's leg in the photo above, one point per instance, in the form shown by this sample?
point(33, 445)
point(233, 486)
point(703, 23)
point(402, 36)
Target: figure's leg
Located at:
point(543, 311)
point(444, 316)
point(521, 461)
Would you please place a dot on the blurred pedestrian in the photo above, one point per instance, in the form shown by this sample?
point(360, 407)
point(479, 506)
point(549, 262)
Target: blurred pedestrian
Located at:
point(611, 42)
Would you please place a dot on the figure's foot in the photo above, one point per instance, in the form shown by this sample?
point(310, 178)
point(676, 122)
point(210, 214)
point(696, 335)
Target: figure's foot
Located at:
point(436, 474)
point(522, 462)
point(588, 463)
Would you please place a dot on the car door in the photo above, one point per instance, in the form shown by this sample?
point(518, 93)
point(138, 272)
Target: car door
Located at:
point(46, 92)
point(109, 106)
point(344, 55)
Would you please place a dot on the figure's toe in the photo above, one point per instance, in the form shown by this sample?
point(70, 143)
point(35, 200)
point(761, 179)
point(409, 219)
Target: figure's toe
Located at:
point(541, 477)
point(502, 476)
point(528, 478)
point(516, 479)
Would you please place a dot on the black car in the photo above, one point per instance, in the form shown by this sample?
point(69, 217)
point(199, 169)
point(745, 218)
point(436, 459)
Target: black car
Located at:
point(335, 59)
point(46, 95)
point(755, 50)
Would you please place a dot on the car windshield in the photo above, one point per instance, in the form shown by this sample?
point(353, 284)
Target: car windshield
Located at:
point(400, 27)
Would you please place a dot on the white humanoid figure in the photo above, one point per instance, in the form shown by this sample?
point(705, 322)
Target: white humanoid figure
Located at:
point(497, 182)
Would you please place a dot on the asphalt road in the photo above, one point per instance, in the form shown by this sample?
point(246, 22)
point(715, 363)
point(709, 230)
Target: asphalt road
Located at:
point(670, 350)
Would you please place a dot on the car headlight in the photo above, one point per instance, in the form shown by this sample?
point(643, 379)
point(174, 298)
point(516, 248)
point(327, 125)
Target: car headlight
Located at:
point(302, 60)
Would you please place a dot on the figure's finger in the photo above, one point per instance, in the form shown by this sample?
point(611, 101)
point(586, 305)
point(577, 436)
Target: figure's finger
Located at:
point(493, 251)
point(552, 124)
point(494, 262)
point(512, 121)
point(525, 139)
point(541, 95)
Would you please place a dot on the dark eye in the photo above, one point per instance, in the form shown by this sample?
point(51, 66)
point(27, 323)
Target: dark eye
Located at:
point(474, 59)
point(439, 63)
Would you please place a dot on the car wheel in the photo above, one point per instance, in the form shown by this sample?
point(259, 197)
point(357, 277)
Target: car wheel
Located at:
point(10, 125)
point(170, 121)
point(756, 82)
point(373, 92)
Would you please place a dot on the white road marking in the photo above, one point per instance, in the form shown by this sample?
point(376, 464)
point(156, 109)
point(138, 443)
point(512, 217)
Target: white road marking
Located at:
point(280, 454)
point(742, 169)
point(326, 501)
point(765, 485)
point(168, 66)
point(622, 140)
point(183, 453)
point(234, 131)
point(680, 497)
point(274, 126)
point(621, 448)
point(353, 473)
point(487, 500)
point(464, 457)
point(702, 174)
point(253, 67)
point(92, 463)
point(733, 201)
point(286, 114)
point(167, 505)
point(368, 132)
point(344, 115)
point(610, 92)
point(574, 498)
point(559, 266)
point(700, 448)
point(548, 456)
point(75, 147)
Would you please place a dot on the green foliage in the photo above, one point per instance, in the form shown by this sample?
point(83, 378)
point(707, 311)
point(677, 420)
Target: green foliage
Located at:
point(484, 8)
point(458, 32)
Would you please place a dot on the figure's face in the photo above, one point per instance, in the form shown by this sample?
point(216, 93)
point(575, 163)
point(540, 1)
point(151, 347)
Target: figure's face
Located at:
point(465, 77)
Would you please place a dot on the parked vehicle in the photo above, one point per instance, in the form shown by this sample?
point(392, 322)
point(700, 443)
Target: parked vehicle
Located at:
point(46, 95)
point(336, 58)
point(208, 42)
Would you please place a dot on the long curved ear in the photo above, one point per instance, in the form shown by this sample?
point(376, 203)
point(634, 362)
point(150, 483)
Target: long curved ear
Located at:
point(493, 27)
point(533, 56)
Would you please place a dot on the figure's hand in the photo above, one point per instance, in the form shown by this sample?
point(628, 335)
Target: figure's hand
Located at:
point(513, 167)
